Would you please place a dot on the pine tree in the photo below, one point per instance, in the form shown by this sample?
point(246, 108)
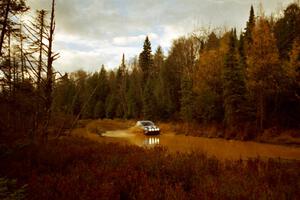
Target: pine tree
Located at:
point(134, 94)
point(149, 102)
point(187, 101)
point(146, 65)
point(287, 30)
point(249, 28)
point(241, 49)
point(64, 93)
point(234, 85)
point(166, 104)
point(111, 102)
point(122, 88)
point(101, 94)
point(158, 61)
point(103, 86)
point(145, 60)
point(212, 42)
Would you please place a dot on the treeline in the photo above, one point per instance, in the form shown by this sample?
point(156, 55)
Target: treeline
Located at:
point(27, 75)
point(248, 81)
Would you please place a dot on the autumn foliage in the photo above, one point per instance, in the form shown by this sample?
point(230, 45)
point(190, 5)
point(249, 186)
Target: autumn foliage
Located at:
point(74, 168)
point(245, 84)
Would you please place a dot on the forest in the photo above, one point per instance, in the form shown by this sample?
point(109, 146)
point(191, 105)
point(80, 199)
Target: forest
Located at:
point(245, 82)
point(242, 81)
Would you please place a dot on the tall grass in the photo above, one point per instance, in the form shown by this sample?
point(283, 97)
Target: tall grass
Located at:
point(74, 168)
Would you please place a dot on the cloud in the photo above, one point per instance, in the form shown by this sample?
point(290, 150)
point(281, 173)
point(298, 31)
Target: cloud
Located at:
point(133, 40)
point(89, 55)
point(169, 34)
point(94, 32)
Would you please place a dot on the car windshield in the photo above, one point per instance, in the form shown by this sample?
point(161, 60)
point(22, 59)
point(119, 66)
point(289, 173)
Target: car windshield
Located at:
point(147, 123)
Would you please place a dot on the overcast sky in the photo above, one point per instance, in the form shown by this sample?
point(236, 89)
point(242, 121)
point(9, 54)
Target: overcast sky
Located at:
point(90, 33)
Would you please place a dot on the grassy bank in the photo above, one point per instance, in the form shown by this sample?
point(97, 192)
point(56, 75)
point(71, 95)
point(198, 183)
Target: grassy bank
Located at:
point(272, 135)
point(73, 168)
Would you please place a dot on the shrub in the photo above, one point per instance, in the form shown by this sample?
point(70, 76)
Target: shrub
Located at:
point(73, 168)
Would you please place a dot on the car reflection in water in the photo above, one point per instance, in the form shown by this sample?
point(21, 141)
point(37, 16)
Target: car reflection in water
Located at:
point(151, 141)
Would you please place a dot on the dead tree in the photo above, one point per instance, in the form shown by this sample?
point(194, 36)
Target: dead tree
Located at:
point(41, 20)
point(10, 7)
point(4, 24)
point(49, 79)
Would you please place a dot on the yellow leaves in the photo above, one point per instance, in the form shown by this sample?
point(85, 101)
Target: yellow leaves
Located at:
point(293, 69)
point(209, 70)
point(263, 69)
point(224, 41)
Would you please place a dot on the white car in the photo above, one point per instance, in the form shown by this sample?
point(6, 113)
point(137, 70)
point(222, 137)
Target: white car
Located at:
point(148, 127)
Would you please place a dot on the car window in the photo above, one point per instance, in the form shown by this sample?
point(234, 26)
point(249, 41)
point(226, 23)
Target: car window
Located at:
point(147, 123)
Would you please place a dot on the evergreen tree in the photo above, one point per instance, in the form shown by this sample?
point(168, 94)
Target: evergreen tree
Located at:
point(64, 94)
point(234, 85)
point(101, 94)
point(103, 87)
point(99, 110)
point(158, 61)
point(121, 79)
point(111, 102)
point(145, 60)
point(212, 42)
point(90, 96)
point(149, 102)
point(134, 94)
point(241, 49)
point(287, 30)
point(146, 65)
point(123, 66)
point(166, 104)
point(249, 28)
point(187, 101)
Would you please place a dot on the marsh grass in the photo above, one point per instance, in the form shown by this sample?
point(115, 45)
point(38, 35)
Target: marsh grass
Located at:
point(75, 168)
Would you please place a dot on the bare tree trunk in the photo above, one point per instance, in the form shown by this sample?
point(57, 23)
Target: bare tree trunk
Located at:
point(261, 110)
point(42, 16)
point(4, 26)
point(9, 66)
point(49, 81)
point(37, 117)
point(22, 55)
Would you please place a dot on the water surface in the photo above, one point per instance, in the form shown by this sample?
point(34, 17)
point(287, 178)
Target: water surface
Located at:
point(221, 148)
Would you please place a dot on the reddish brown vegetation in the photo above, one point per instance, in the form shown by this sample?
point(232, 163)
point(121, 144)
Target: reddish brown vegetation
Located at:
point(74, 168)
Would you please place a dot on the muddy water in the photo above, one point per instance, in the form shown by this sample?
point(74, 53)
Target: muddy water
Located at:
point(222, 149)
